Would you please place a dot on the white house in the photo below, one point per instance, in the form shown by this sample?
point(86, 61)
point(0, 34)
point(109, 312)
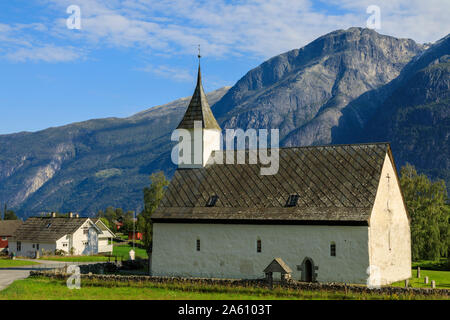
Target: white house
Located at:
point(75, 235)
point(105, 239)
point(331, 213)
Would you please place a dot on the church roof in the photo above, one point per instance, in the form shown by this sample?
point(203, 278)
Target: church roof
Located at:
point(199, 109)
point(333, 184)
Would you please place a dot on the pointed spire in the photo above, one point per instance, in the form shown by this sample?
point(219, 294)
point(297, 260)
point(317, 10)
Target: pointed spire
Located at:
point(199, 109)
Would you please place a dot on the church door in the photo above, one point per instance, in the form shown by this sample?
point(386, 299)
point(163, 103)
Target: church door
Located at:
point(308, 271)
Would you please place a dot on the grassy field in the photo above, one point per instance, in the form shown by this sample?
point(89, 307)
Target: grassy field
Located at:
point(50, 289)
point(8, 263)
point(442, 279)
point(121, 250)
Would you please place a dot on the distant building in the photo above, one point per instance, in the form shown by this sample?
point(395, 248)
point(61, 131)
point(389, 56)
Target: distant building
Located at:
point(105, 239)
point(137, 235)
point(80, 236)
point(331, 213)
point(7, 229)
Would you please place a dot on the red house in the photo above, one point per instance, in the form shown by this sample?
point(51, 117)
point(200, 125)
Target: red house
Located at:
point(7, 229)
point(137, 235)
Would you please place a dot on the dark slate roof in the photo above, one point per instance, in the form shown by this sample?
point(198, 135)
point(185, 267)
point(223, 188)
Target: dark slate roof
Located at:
point(336, 185)
point(35, 228)
point(199, 109)
point(8, 227)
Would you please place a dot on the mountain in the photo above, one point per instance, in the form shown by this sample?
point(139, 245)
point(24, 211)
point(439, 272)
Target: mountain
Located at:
point(348, 86)
point(413, 114)
point(86, 166)
point(303, 92)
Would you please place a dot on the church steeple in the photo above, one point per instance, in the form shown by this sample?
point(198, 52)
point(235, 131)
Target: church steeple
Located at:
point(198, 133)
point(199, 109)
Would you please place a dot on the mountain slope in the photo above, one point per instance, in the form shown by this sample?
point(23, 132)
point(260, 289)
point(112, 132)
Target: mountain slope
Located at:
point(415, 115)
point(89, 165)
point(303, 91)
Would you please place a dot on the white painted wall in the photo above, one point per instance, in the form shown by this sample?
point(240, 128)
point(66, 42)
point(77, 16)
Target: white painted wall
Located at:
point(229, 250)
point(27, 249)
point(390, 234)
point(103, 245)
point(83, 243)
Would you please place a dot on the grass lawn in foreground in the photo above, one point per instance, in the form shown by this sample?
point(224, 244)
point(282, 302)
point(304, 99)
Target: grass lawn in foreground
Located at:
point(8, 263)
point(442, 279)
point(50, 289)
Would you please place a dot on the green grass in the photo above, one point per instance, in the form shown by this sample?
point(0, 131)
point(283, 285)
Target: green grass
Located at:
point(442, 279)
point(118, 250)
point(123, 250)
point(51, 289)
point(8, 263)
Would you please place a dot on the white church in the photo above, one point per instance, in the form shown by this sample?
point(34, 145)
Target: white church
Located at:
point(330, 213)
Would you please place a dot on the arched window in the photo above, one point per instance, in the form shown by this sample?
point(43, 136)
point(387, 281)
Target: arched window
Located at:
point(258, 245)
point(333, 249)
point(198, 244)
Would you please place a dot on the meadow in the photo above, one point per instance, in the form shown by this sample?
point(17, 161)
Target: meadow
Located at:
point(37, 288)
point(121, 251)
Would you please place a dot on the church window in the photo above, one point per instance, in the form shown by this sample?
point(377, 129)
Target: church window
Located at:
point(198, 244)
point(212, 201)
point(333, 249)
point(258, 245)
point(292, 200)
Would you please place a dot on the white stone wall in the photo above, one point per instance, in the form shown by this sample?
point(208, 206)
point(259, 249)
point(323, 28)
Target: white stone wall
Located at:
point(390, 235)
point(229, 250)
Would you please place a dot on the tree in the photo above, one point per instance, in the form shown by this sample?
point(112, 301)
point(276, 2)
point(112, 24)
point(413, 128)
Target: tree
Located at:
point(9, 215)
point(427, 205)
point(152, 197)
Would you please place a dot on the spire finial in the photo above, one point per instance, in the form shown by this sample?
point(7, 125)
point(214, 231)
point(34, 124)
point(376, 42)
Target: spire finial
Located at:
point(199, 55)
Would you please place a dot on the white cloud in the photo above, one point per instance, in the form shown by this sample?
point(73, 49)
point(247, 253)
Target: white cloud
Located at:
point(257, 28)
point(169, 72)
point(47, 54)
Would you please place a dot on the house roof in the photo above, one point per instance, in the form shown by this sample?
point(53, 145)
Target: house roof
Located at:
point(336, 184)
point(199, 109)
point(102, 226)
point(278, 265)
point(8, 227)
point(47, 228)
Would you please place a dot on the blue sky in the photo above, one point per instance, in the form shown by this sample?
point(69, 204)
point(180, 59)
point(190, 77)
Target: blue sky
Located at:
point(130, 55)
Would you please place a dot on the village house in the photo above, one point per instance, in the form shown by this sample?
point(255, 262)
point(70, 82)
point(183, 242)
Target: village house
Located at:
point(71, 235)
point(331, 213)
point(7, 229)
point(105, 239)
